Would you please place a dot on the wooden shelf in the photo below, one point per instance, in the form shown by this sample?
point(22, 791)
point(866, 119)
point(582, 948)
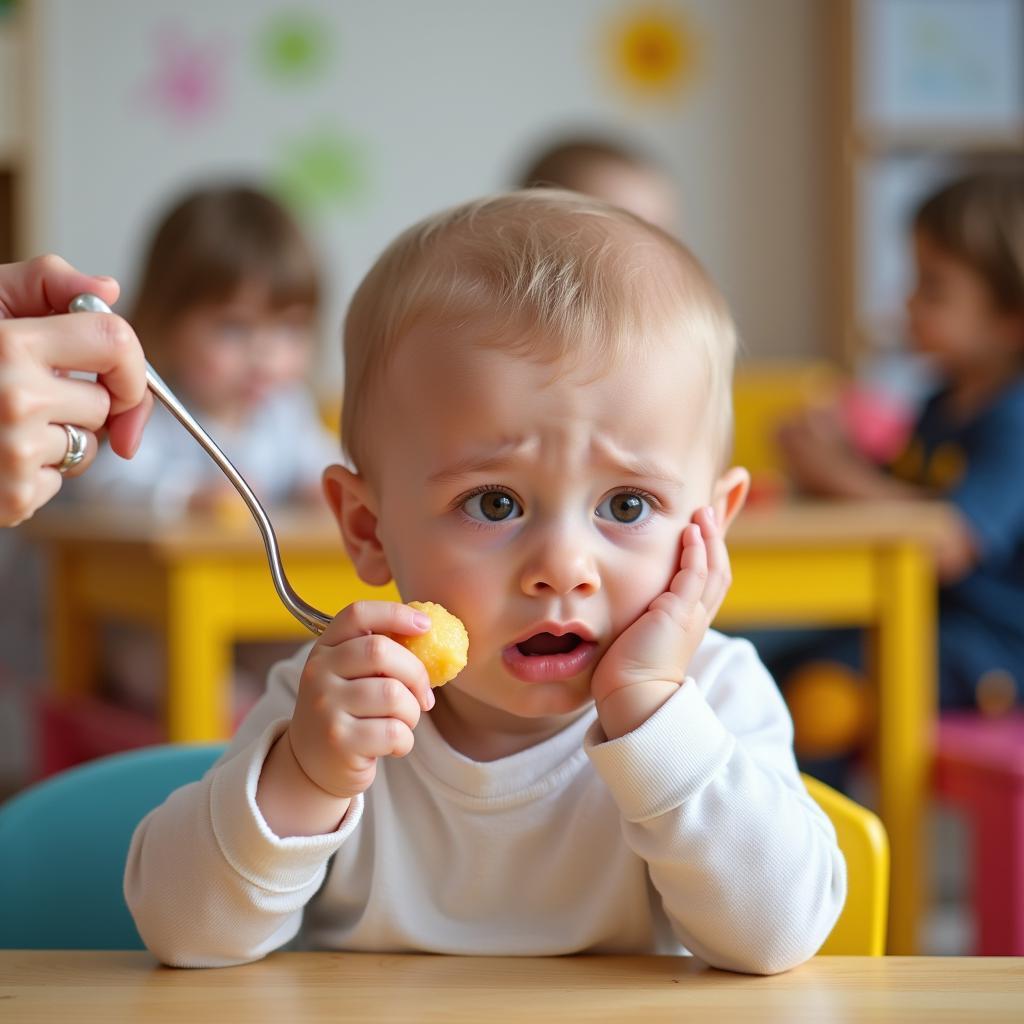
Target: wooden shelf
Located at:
point(959, 140)
point(884, 164)
point(11, 127)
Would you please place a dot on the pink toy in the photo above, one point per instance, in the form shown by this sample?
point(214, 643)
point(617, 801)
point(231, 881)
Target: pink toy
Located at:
point(878, 425)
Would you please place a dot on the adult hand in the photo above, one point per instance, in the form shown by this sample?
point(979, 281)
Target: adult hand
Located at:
point(39, 344)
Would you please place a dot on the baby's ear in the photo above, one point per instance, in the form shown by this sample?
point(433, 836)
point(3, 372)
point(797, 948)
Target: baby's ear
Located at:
point(729, 495)
point(353, 505)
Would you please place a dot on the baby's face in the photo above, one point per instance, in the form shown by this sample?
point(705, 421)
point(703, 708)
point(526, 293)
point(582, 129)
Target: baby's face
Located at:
point(546, 515)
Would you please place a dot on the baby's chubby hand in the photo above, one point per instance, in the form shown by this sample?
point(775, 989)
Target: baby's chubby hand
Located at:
point(360, 696)
point(649, 660)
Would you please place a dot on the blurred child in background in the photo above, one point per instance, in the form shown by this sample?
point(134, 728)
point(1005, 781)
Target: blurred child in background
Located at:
point(608, 171)
point(966, 314)
point(226, 310)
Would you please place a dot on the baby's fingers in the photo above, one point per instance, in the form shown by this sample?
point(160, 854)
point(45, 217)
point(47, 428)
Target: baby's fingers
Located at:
point(690, 582)
point(719, 569)
point(379, 698)
point(363, 617)
point(367, 656)
point(686, 591)
point(375, 737)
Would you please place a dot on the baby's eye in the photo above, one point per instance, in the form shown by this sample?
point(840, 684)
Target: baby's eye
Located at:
point(624, 507)
point(492, 506)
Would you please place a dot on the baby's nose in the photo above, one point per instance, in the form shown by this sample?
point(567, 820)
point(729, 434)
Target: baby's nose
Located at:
point(561, 567)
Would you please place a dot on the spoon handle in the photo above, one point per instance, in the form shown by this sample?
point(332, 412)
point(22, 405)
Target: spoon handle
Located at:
point(315, 621)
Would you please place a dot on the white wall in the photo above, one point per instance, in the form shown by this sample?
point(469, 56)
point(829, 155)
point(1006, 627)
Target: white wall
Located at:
point(443, 98)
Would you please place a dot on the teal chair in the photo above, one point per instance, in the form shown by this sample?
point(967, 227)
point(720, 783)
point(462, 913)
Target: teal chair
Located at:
point(63, 845)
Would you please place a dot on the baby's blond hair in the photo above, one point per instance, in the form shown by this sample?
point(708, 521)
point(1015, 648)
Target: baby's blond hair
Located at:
point(553, 276)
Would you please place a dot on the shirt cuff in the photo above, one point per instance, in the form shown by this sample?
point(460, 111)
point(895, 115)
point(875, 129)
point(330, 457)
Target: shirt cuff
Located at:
point(666, 760)
point(247, 841)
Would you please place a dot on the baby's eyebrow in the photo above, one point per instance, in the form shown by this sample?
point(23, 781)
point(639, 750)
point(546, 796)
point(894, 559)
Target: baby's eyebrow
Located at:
point(649, 471)
point(496, 459)
point(636, 465)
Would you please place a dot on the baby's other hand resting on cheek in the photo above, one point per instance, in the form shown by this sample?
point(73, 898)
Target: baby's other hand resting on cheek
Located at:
point(649, 660)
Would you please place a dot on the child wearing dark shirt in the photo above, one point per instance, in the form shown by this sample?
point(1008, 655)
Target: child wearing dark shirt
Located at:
point(966, 314)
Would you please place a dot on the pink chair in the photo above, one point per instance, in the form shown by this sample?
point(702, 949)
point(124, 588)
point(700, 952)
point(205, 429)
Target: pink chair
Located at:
point(979, 767)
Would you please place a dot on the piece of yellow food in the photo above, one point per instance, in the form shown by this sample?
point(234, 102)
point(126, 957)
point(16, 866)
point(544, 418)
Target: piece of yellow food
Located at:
point(445, 649)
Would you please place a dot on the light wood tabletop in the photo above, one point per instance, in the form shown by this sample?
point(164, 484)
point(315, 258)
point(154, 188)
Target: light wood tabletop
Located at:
point(88, 987)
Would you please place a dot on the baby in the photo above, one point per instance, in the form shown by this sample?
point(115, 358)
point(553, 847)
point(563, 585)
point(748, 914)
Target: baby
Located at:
point(537, 413)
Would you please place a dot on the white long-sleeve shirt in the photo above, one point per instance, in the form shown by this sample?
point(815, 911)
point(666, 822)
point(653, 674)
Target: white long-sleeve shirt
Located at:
point(281, 449)
point(691, 833)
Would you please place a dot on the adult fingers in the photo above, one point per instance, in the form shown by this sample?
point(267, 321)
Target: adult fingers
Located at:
point(55, 446)
point(48, 483)
point(78, 402)
point(22, 495)
point(47, 284)
point(100, 343)
point(125, 428)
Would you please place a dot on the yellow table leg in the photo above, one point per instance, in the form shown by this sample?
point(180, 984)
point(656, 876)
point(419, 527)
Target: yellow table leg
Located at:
point(74, 642)
point(905, 665)
point(199, 654)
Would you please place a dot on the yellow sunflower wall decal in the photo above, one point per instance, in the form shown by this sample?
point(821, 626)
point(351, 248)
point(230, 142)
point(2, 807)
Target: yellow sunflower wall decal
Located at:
point(652, 50)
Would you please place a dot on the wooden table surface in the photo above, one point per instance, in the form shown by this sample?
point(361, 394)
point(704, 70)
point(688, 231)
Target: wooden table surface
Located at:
point(102, 987)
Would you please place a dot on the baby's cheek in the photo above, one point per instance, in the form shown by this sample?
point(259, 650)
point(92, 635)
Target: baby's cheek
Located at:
point(634, 590)
point(460, 587)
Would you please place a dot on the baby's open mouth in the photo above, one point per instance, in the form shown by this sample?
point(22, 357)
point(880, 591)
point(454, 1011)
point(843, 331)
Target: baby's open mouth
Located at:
point(547, 643)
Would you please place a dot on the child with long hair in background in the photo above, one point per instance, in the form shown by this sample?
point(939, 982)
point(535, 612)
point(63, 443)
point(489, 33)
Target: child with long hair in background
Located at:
point(226, 310)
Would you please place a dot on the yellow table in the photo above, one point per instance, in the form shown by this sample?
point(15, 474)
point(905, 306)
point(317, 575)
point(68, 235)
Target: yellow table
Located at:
point(205, 585)
point(99, 988)
point(863, 564)
point(202, 583)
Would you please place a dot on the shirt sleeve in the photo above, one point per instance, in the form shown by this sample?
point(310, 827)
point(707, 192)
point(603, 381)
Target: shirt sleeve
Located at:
point(207, 881)
point(746, 863)
point(990, 494)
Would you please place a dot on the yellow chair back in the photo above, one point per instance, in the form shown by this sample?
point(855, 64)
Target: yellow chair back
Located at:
point(860, 930)
point(766, 393)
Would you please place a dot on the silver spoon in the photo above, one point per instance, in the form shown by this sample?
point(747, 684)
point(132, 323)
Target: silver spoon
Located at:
point(315, 621)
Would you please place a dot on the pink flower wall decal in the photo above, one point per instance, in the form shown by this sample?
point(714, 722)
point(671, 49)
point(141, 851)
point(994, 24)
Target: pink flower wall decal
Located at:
point(186, 83)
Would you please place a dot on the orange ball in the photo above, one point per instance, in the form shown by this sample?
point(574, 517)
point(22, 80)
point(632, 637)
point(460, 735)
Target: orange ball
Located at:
point(831, 709)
